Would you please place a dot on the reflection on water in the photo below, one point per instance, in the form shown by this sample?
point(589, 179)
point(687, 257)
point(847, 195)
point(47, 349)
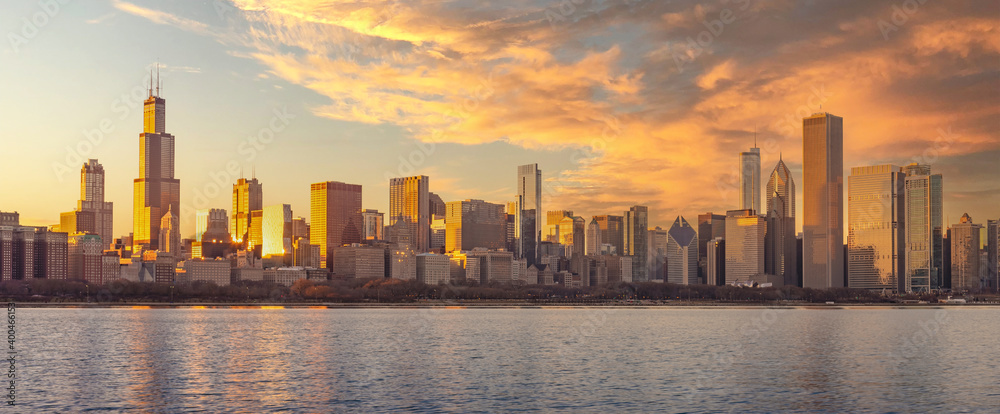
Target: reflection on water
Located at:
point(487, 360)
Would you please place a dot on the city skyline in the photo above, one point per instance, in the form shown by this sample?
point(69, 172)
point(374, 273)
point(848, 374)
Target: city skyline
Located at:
point(701, 136)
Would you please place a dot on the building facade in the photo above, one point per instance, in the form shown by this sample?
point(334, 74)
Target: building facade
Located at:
point(156, 190)
point(682, 253)
point(335, 217)
point(745, 241)
point(781, 258)
point(823, 202)
point(409, 202)
point(875, 239)
point(529, 210)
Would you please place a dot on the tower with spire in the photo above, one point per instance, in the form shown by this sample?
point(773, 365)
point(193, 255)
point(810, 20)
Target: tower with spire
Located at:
point(156, 191)
point(781, 258)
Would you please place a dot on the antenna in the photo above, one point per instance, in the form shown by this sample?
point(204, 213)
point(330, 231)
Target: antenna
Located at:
point(157, 77)
point(150, 81)
point(755, 135)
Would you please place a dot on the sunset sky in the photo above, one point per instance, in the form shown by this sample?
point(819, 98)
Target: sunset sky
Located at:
point(619, 102)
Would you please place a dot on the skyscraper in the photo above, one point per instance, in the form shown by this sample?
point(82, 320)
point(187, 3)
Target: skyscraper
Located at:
point(875, 211)
point(682, 253)
point(823, 202)
point(656, 246)
point(745, 233)
point(374, 222)
point(277, 231)
point(335, 217)
point(92, 202)
point(156, 190)
point(612, 232)
point(636, 224)
point(170, 234)
point(551, 229)
point(780, 240)
point(248, 195)
point(750, 179)
point(475, 223)
point(924, 229)
point(993, 252)
point(529, 210)
point(710, 226)
point(594, 238)
point(965, 258)
point(715, 272)
point(213, 221)
point(409, 202)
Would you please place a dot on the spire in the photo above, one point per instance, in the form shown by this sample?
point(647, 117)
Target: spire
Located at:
point(150, 81)
point(755, 135)
point(157, 77)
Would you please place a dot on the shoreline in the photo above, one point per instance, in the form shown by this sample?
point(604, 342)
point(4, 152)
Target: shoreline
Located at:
point(491, 305)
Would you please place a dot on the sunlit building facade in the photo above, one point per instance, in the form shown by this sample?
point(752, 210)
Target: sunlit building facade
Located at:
point(277, 229)
point(924, 229)
point(335, 217)
point(636, 224)
point(156, 190)
point(612, 231)
point(875, 239)
point(529, 211)
point(474, 223)
point(745, 233)
point(823, 202)
point(248, 196)
point(409, 202)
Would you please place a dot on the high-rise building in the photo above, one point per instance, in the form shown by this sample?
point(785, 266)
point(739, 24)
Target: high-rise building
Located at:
point(277, 229)
point(474, 223)
point(248, 196)
point(92, 215)
point(436, 205)
point(213, 221)
point(682, 253)
point(439, 234)
point(875, 210)
point(552, 220)
point(710, 226)
point(613, 232)
point(636, 224)
point(657, 246)
point(993, 252)
point(409, 202)
point(156, 190)
point(335, 217)
point(300, 228)
point(750, 179)
point(594, 238)
point(716, 262)
point(529, 211)
point(170, 233)
point(780, 244)
point(965, 241)
point(924, 234)
point(823, 202)
point(374, 222)
point(745, 233)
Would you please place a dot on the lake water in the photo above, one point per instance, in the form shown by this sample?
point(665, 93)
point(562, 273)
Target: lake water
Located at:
point(498, 360)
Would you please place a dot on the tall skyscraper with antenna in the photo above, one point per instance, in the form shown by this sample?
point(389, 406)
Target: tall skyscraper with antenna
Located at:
point(156, 191)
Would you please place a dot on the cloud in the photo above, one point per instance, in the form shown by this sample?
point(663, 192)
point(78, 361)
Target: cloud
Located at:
point(604, 81)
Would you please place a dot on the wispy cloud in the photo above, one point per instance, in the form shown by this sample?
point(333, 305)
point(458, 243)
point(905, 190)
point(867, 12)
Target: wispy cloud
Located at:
point(605, 82)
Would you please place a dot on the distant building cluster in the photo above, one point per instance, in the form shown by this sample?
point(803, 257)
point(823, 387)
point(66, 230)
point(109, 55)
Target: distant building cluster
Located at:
point(897, 240)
